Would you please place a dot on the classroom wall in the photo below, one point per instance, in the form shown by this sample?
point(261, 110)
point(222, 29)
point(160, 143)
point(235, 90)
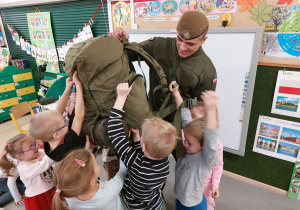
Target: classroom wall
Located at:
point(66, 17)
point(269, 170)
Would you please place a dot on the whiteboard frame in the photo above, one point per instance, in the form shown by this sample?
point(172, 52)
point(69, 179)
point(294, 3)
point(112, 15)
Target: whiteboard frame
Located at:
point(258, 31)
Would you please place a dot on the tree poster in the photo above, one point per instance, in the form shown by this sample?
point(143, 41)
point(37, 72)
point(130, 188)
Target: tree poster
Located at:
point(41, 36)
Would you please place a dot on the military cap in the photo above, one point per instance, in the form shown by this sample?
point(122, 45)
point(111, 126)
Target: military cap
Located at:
point(191, 25)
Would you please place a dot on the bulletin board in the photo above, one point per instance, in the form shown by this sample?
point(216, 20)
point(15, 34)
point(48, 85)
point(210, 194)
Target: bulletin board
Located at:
point(239, 19)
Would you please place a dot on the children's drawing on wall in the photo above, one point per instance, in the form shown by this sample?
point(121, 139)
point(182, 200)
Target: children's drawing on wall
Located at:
point(225, 5)
point(287, 94)
point(170, 7)
point(154, 8)
point(277, 138)
point(141, 9)
point(32, 23)
point(217, 6)
point(206, 6)
point(187, 5)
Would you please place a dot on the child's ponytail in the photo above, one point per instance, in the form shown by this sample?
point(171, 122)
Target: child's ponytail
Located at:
point(72, 177)
point(58, 203)
point(11, 149)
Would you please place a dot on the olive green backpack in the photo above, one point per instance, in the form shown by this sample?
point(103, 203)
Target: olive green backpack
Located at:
point(102, 63)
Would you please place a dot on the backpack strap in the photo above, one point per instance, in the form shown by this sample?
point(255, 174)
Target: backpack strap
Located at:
point(158, 69)
point(189, 103)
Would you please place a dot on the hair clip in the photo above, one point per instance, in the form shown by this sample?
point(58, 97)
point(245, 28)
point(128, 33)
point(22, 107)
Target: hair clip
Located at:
point(58, 190)
point(80, 162)
point(7, 144)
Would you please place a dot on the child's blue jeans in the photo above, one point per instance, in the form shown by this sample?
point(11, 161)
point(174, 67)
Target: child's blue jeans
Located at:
point(200, 206)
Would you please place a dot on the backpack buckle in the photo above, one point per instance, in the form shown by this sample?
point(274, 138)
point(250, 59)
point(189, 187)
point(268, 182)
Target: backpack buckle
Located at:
point(191, 102)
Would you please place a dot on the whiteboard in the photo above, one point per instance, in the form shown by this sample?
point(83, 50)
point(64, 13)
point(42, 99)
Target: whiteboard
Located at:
point(234, 52)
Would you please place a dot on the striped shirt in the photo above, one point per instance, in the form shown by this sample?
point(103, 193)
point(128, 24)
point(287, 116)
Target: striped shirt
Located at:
point(145, 177)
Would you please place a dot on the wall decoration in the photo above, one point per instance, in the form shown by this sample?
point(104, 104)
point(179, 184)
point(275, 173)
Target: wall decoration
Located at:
point(294, 188)
point(39, 24)
point(261, 14)
point(247, 4)
point(169, 7)
point(216, 6)
point(154, 8)
point(281, 37)
point(121, 14)
point(187, 5)
point(287, 94)
point(4, 57)
point(277, 138)
point(284, 1)
point(141, 9)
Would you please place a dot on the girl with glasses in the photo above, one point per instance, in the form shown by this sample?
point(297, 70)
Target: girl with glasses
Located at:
point(35, 170)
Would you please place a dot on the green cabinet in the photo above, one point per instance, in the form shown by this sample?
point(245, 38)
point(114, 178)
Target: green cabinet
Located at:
point(16, 86)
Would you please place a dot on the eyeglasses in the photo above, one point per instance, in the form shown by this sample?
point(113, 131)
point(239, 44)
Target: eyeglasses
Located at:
point(32, 147)
point(66, 124)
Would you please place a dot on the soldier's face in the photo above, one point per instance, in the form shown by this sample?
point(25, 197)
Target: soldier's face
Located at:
point(187, 48)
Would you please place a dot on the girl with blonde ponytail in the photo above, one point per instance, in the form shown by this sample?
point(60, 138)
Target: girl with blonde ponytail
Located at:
point(78, 186)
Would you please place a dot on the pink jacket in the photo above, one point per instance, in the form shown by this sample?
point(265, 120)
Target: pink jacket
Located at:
point(214, 177)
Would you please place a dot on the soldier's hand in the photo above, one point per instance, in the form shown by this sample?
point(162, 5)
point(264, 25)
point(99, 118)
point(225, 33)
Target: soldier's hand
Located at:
point(118, 32)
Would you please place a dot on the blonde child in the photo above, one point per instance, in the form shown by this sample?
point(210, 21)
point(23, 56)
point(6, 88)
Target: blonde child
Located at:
point(76, 180)
point(146, 159)
point(212, 181)
point(52, 128)
point(201, 157)
point(35, 170)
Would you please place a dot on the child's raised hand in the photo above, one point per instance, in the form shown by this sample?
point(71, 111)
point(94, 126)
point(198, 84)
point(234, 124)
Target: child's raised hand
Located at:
point(173, 90)
point(88, 144)
point(69, 83)
point(215, 192)
point(20, 202)
point(136, 134)
point(210, 99)
point(73, 98)
point(123, 89)
point(76, 81)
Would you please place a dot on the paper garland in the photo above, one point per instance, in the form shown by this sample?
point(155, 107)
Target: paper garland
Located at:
point(51, 54)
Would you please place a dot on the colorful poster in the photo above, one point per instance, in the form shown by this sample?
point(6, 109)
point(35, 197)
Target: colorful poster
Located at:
point(294, 188)
point(41, 37)
point(287, 94)
point(277, 138)
point(216, 6)
point(169, 7)
point(4, 58)
point(281, 37)
point(187, 5)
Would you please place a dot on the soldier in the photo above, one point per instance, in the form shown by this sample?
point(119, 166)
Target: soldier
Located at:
point(182, 58)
